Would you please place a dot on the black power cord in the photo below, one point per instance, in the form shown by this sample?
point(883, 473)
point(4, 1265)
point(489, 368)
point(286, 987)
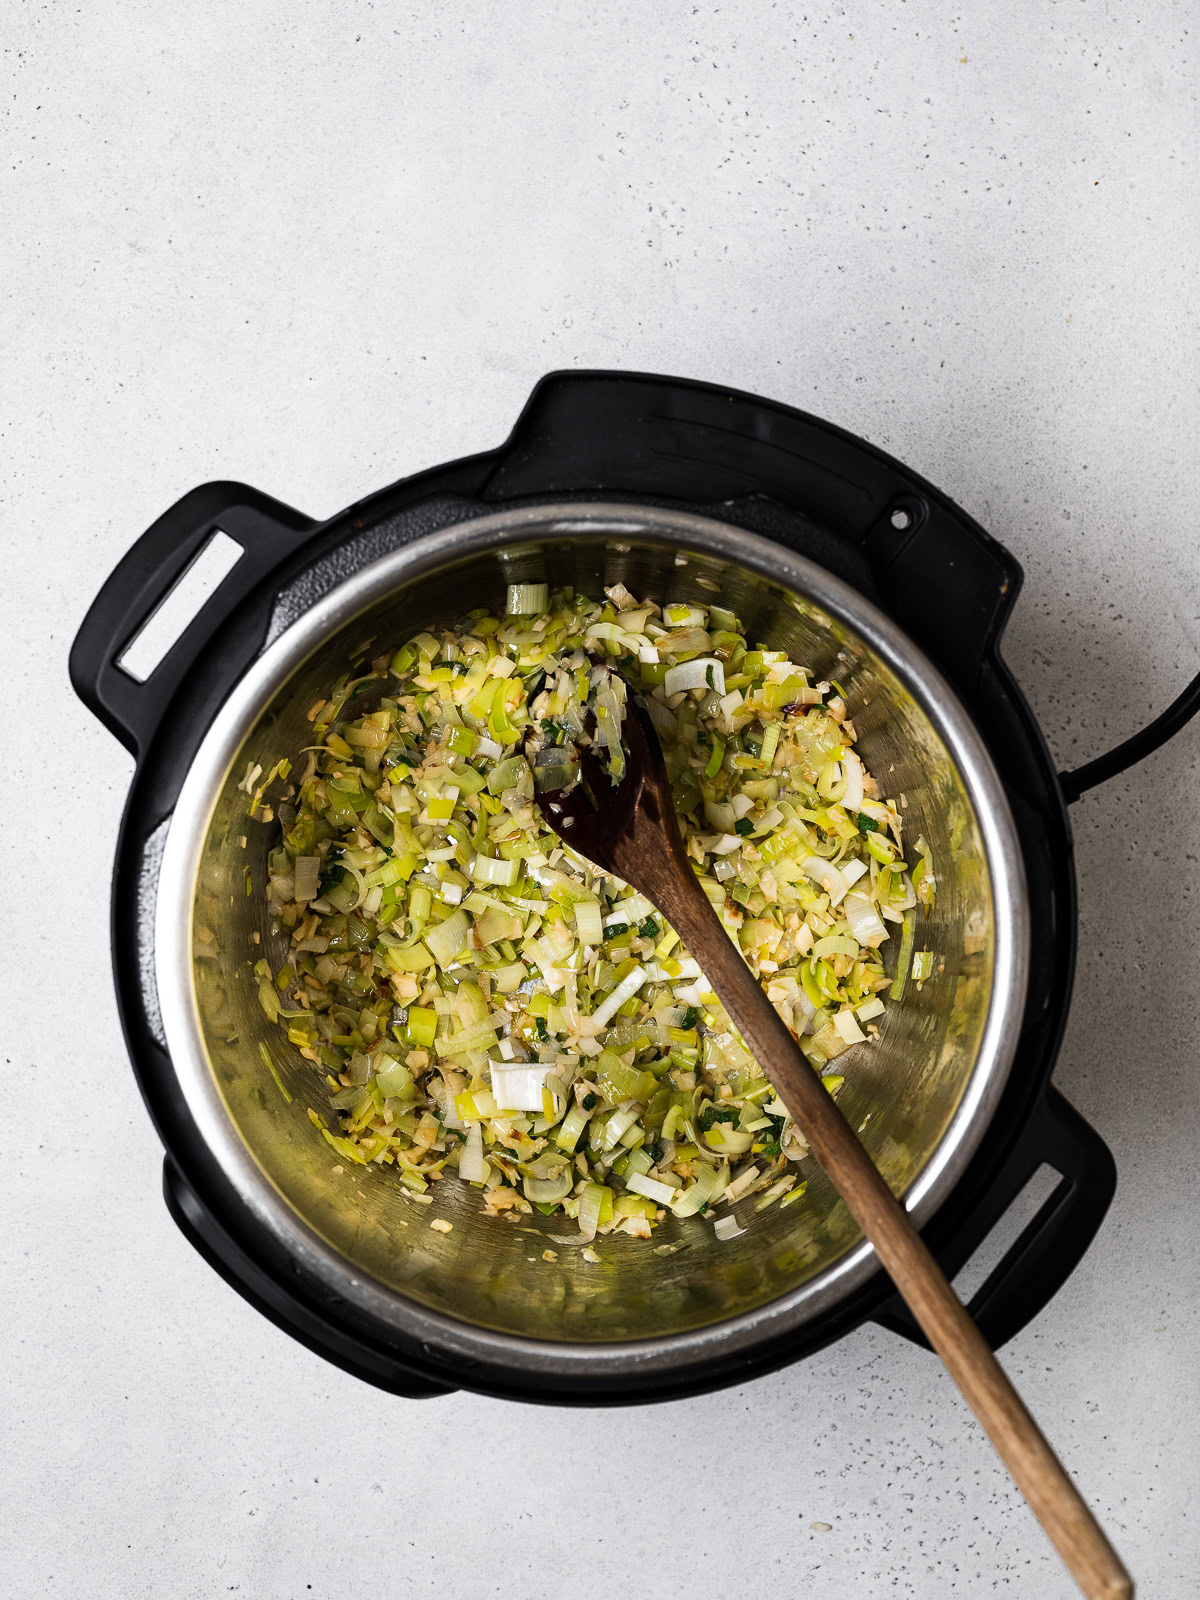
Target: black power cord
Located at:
point(1135, 749)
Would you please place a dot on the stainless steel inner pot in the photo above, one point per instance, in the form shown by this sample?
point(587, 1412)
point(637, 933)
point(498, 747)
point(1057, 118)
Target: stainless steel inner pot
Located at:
point(921, 1097)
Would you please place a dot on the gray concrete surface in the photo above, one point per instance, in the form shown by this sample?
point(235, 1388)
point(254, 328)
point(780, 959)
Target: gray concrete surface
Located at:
point(315, 246)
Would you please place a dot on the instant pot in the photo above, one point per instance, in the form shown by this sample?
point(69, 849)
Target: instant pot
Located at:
point(824, 546)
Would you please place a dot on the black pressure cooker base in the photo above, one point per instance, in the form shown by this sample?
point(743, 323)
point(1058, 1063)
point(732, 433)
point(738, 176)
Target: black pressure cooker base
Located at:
point(656, 441)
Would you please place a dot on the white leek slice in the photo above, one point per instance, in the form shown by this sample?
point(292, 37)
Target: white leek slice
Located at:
point(704, 672)
point(847, 1025)
point(625, 990)
point(518, 1087)
point(828, 876)
point(661, 1193)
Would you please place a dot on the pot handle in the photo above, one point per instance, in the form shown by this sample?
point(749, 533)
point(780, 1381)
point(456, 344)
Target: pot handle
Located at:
point(144, 579)
point(1052, 1245)
point(1142, 744)
point(241, 1272)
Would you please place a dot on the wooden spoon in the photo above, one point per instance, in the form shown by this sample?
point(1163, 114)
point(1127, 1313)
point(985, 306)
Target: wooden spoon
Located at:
point(631, 830)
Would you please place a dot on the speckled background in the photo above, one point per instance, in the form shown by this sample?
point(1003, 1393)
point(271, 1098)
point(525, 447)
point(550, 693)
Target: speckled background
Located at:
point(315, 246)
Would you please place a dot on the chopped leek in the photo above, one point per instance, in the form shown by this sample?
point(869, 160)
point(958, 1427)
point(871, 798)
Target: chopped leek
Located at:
point(476, 999)
point(421, 1026)
point(448, 939)
point(517, 1088)
point(661, 1193)
point(486, 869)
point(527, 599)
point(907, 934)
point(922, 965)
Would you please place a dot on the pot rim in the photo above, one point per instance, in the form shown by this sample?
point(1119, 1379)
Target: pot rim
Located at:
point(188, 829)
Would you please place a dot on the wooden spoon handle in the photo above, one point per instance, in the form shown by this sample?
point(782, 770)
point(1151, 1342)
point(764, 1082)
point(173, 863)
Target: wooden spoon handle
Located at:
point(1035, 1469)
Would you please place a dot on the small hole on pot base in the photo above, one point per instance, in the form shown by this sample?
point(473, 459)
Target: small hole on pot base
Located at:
point(901, 519)
point(196, 584)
